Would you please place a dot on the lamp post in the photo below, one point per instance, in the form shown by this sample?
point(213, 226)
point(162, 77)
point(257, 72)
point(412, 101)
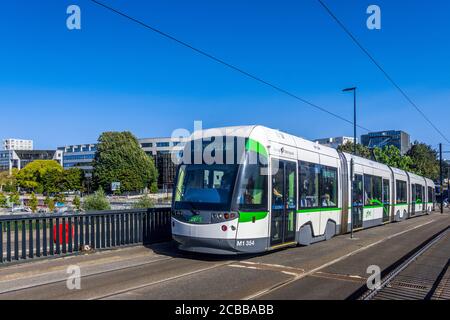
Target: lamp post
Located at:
point(354, 153)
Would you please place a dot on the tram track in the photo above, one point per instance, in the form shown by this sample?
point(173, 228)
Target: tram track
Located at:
point(397, 286)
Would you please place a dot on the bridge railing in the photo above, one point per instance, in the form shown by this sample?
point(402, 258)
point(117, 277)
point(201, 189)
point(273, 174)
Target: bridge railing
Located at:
point(42, 235)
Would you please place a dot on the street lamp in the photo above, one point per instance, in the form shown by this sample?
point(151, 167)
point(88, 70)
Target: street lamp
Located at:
point(354, 153)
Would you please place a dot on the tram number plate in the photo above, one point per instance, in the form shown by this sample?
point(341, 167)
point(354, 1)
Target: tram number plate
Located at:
point(245, 243)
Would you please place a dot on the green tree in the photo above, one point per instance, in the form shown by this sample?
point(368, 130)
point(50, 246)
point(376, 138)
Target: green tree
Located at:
point(14, 198)
point(50, 203)
point(60, 198)
point(96, 202)
point(41, 176)
point(424, 160)
point(391, 156)
point(144, 202)
point(361, 150)
point(77, 203)
point(119, 158)
point(33, 202)
point(3, 200)
point(73, 179)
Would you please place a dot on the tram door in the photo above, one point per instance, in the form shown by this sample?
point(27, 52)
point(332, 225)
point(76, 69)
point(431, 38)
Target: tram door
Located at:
point(413, 199)
point(358, 202)
point(386, 200)
point(284, 202)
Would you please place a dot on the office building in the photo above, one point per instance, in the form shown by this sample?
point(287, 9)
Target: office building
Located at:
point(160, 149)
point(17, 144)
point(18, 159)
point(79, 156)
point(335, 142)
point(399, 139)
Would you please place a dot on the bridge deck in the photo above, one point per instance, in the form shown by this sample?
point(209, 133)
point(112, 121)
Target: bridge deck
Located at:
point(328, 270)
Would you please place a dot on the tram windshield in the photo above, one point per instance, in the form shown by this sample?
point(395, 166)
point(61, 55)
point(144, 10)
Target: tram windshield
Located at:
point(205, 186)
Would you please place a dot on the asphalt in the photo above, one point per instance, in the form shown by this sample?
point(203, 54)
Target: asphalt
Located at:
point(329, 270)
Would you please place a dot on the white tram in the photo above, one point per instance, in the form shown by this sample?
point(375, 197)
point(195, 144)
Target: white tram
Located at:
point(254, 189)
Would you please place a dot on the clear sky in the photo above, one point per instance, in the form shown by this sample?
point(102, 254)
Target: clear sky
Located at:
point(61, 87)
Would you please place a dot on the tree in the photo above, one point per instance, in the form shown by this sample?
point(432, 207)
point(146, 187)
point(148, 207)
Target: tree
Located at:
point(73, 179)
point(15, 198)
point(96, 202)
point(391, 156)
point(361, 151)
point(77, 203)
point(50, 203)
point(41, 176)
point(33, 202)
point(425, 160)
point(60, 198)
point(119, 158)
point(144, 202)
point(8, 181)
point(3, 200)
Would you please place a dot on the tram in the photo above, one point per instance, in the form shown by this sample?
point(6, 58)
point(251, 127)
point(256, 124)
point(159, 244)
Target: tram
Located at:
point(253, 189)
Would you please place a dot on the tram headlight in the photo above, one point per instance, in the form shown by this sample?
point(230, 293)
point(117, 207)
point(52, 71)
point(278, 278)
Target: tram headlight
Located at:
point(222, 217)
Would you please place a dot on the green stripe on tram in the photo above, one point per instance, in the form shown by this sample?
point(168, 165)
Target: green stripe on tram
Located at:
point(317, 210)
point(249, 216)
point(253, 145)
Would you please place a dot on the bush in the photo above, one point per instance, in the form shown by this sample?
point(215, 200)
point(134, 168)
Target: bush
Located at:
point(50, 203)
point(96, 202)
point(77, 203)
point(33, 202)
point(143, 203)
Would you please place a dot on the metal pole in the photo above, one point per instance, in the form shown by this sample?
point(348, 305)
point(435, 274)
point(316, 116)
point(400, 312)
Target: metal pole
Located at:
point(354, 121)
point(441, 178)
point(352, 181)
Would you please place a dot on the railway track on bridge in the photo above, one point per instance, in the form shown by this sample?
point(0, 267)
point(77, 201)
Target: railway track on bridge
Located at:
point(423, 275)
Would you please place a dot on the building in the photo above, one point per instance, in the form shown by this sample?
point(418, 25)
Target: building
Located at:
point(18, 159)
point(79, 156)
point(399, 139)
point(335, 142)
point(160, 149)
point(17, 144)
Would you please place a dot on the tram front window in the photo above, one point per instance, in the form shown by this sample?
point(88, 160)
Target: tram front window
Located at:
point(205, 186)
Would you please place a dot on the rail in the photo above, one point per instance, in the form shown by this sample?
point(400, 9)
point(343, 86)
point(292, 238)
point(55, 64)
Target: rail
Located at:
point(27, 237)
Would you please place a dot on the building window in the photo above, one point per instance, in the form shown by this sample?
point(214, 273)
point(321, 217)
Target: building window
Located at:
point(146, 145)
point(162, 144)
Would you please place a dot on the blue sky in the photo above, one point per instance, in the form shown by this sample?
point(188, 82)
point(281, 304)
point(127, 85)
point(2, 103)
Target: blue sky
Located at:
point(63, 87)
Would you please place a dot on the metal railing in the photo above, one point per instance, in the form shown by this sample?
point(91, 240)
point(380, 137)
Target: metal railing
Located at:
point(32, 236)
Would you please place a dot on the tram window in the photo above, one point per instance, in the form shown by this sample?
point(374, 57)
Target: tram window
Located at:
point(419, 195)
point(377, 190)
point(386, 192)
point(309, 185)
point(252, 192)
point(430, 194)
point(358, 190)
point(373, 190)
point(401, 192)
point(368, 195)
point(328, 187)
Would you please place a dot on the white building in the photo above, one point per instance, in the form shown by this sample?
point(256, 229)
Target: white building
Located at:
point(335, 142)
point(17, 144)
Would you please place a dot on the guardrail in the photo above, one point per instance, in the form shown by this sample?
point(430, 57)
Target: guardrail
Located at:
point(33, 236)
